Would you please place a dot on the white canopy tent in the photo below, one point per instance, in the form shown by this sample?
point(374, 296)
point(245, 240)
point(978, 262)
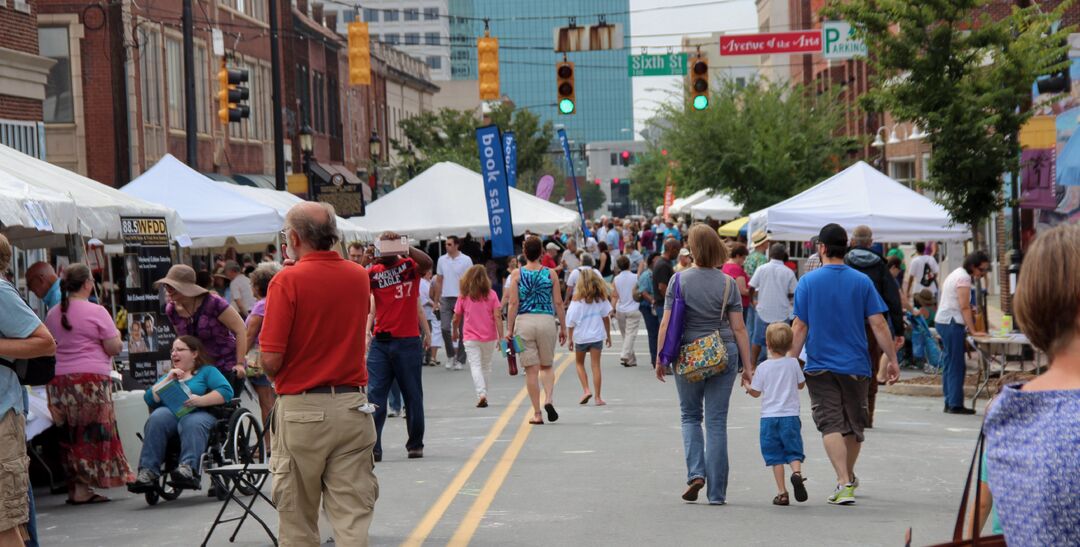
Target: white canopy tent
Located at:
point(448, 199)
point(215, 216)
point(718, 207)
point(33, 217)
point(98, 207)
point(283, 201)
point(682, 205)
point(858, 195)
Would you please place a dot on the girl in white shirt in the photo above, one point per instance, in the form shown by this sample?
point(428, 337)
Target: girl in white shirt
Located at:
point(589, 321)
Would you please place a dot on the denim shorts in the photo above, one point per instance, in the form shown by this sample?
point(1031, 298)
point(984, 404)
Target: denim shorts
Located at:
point(583, 348)
point(781, 440)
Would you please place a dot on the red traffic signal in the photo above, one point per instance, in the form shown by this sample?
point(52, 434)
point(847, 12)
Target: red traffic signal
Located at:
point(597, 181)
point(615, 181)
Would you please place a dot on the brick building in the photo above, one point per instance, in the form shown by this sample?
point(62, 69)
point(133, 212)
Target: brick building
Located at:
point(119, 81)
point(23, 76)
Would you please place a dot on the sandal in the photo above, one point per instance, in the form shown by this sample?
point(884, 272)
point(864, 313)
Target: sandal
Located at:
point(800, 489)
point(781, 499)
point(585, 400)
point(551, 414)
point(692, 490)
point(96, 498)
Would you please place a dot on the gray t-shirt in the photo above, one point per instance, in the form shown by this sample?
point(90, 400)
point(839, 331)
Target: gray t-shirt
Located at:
point(703, 290)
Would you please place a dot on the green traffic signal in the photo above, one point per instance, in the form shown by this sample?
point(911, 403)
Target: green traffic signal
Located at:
point(566, 106)
point(701, 102)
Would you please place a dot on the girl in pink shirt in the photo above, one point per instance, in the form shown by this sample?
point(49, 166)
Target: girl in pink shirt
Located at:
point(478, 320)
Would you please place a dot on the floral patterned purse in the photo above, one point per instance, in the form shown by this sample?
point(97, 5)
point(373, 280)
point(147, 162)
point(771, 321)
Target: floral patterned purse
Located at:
point(707, 356)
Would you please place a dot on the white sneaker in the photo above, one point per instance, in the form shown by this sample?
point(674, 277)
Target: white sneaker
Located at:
point(449, 364)
point(459, 366)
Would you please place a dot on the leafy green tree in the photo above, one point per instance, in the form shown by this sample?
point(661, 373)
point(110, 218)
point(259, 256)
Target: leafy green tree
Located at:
point(592, 197)
point(759, 143)
point(964, 78)
point(648, 177)
point(449, 135)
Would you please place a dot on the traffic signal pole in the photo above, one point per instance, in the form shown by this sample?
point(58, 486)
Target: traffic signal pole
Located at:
point(275, 97)
point(190, 118)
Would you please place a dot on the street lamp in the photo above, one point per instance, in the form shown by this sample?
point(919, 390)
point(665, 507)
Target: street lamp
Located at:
point(376, 145)
point(306, 147)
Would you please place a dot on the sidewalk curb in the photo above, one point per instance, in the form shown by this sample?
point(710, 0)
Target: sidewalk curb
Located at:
point(919, 390)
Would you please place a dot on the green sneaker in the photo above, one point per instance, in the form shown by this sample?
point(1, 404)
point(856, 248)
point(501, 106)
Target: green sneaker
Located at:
point(843, 495)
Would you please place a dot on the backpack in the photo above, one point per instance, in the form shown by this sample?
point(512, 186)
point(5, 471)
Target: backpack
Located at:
point(33, 372)
point(928, 277)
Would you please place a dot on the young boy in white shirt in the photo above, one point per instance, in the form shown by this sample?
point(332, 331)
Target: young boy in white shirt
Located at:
point(778, 381)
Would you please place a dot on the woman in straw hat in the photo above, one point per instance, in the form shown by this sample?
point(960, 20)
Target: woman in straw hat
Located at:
point(194, 311)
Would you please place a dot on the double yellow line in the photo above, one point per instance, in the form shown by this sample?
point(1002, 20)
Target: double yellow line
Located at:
point(476, 512)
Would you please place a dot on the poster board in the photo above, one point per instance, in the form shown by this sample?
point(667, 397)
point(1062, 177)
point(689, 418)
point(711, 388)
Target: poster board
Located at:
point(147, 258)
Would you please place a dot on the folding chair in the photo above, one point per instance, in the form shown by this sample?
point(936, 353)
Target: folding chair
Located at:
point(247, 478)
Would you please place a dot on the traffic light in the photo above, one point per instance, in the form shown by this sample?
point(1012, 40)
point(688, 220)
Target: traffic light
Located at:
point(231, 95)
point(564, 75)
point(625, 156)
point(487, 52)
point(699, 83)
point(359, 54)
point(615, 180)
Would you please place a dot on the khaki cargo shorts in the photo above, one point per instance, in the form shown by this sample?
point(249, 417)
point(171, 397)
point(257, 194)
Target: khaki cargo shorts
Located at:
point(539, 332)
point(14, 475)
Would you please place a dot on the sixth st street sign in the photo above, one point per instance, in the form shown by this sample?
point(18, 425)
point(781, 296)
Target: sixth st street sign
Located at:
point(672, 64)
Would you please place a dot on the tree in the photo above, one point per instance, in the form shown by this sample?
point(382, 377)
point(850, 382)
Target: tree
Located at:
point(965, 78)
point(449, 135)
point(592, 197)
point(648, 177)
point(759, 143)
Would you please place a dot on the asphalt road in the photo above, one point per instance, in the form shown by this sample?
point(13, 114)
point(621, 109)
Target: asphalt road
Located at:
point(607, 475)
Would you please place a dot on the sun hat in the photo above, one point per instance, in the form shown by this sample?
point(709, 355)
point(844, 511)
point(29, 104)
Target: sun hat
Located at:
point(759, 237)
point(924, 298)
point(684, 252)
point(551, 246)
point(182, 278)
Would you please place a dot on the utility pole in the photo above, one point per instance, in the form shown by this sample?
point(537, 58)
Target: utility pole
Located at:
point(275, 97)
point(190, 118)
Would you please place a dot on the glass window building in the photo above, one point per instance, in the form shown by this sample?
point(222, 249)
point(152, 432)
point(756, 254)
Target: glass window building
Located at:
point(527, 60)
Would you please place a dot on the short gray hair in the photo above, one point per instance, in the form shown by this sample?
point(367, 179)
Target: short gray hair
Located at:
point(264, 272)
point(320, 233)
point(861, 236)
point(588, 260)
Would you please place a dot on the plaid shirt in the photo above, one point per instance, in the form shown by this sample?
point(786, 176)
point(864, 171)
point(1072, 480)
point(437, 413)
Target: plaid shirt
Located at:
point(813, 262)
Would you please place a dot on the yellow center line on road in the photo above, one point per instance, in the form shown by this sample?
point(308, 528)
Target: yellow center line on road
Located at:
point(471, 522)
point(436, 512)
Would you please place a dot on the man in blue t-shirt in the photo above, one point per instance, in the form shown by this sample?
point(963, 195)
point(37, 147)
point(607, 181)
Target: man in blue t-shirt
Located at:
point(833, 304)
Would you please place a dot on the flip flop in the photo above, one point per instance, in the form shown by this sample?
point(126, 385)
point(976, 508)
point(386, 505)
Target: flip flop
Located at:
point(551, 414)
point(96, 498)
point(800, 489)
point(541, 422)
point(585, 399)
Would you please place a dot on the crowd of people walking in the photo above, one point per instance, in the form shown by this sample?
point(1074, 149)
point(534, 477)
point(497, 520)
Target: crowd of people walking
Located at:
point(715, 311)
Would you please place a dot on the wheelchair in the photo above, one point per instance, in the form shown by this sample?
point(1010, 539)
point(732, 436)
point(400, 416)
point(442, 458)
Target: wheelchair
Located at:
point(236, 438)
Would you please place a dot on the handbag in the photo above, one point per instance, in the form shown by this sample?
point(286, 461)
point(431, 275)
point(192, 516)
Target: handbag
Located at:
point(33, 372)
point(669, 351)
point(707, 356)
point(958, 531)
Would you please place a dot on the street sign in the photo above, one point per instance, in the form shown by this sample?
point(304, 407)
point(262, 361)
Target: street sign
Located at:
point(671, 64)
point(839, 41)
point(802, 41)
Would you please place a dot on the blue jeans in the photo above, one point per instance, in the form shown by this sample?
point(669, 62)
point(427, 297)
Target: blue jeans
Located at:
point(393, 401)
point(162, 425)
point(706, 454)
point(652, 325)
point(952, 378)
point(399, 359)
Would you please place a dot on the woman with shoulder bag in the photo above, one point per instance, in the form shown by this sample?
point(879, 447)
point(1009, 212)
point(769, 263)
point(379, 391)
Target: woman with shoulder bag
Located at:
point(703, 310)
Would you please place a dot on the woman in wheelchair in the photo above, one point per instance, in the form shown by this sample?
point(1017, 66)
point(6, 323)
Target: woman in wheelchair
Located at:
point(209, 388)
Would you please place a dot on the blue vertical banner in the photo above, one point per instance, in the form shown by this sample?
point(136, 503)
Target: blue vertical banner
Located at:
point(496, 191)
point(570, 168)
point(510, 152)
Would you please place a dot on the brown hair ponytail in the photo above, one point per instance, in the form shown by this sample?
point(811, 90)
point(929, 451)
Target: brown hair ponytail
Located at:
point(75, 276)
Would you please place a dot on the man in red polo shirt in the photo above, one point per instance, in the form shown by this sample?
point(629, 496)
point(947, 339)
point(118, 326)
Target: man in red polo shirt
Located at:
point(312, 344)
point(397, 350)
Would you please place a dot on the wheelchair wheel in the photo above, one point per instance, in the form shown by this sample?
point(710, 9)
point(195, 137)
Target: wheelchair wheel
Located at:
point(245, 445)
point(151, 497)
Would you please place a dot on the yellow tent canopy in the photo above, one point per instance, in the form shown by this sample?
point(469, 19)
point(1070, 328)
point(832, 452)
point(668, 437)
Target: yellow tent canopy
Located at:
point(732, 228)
